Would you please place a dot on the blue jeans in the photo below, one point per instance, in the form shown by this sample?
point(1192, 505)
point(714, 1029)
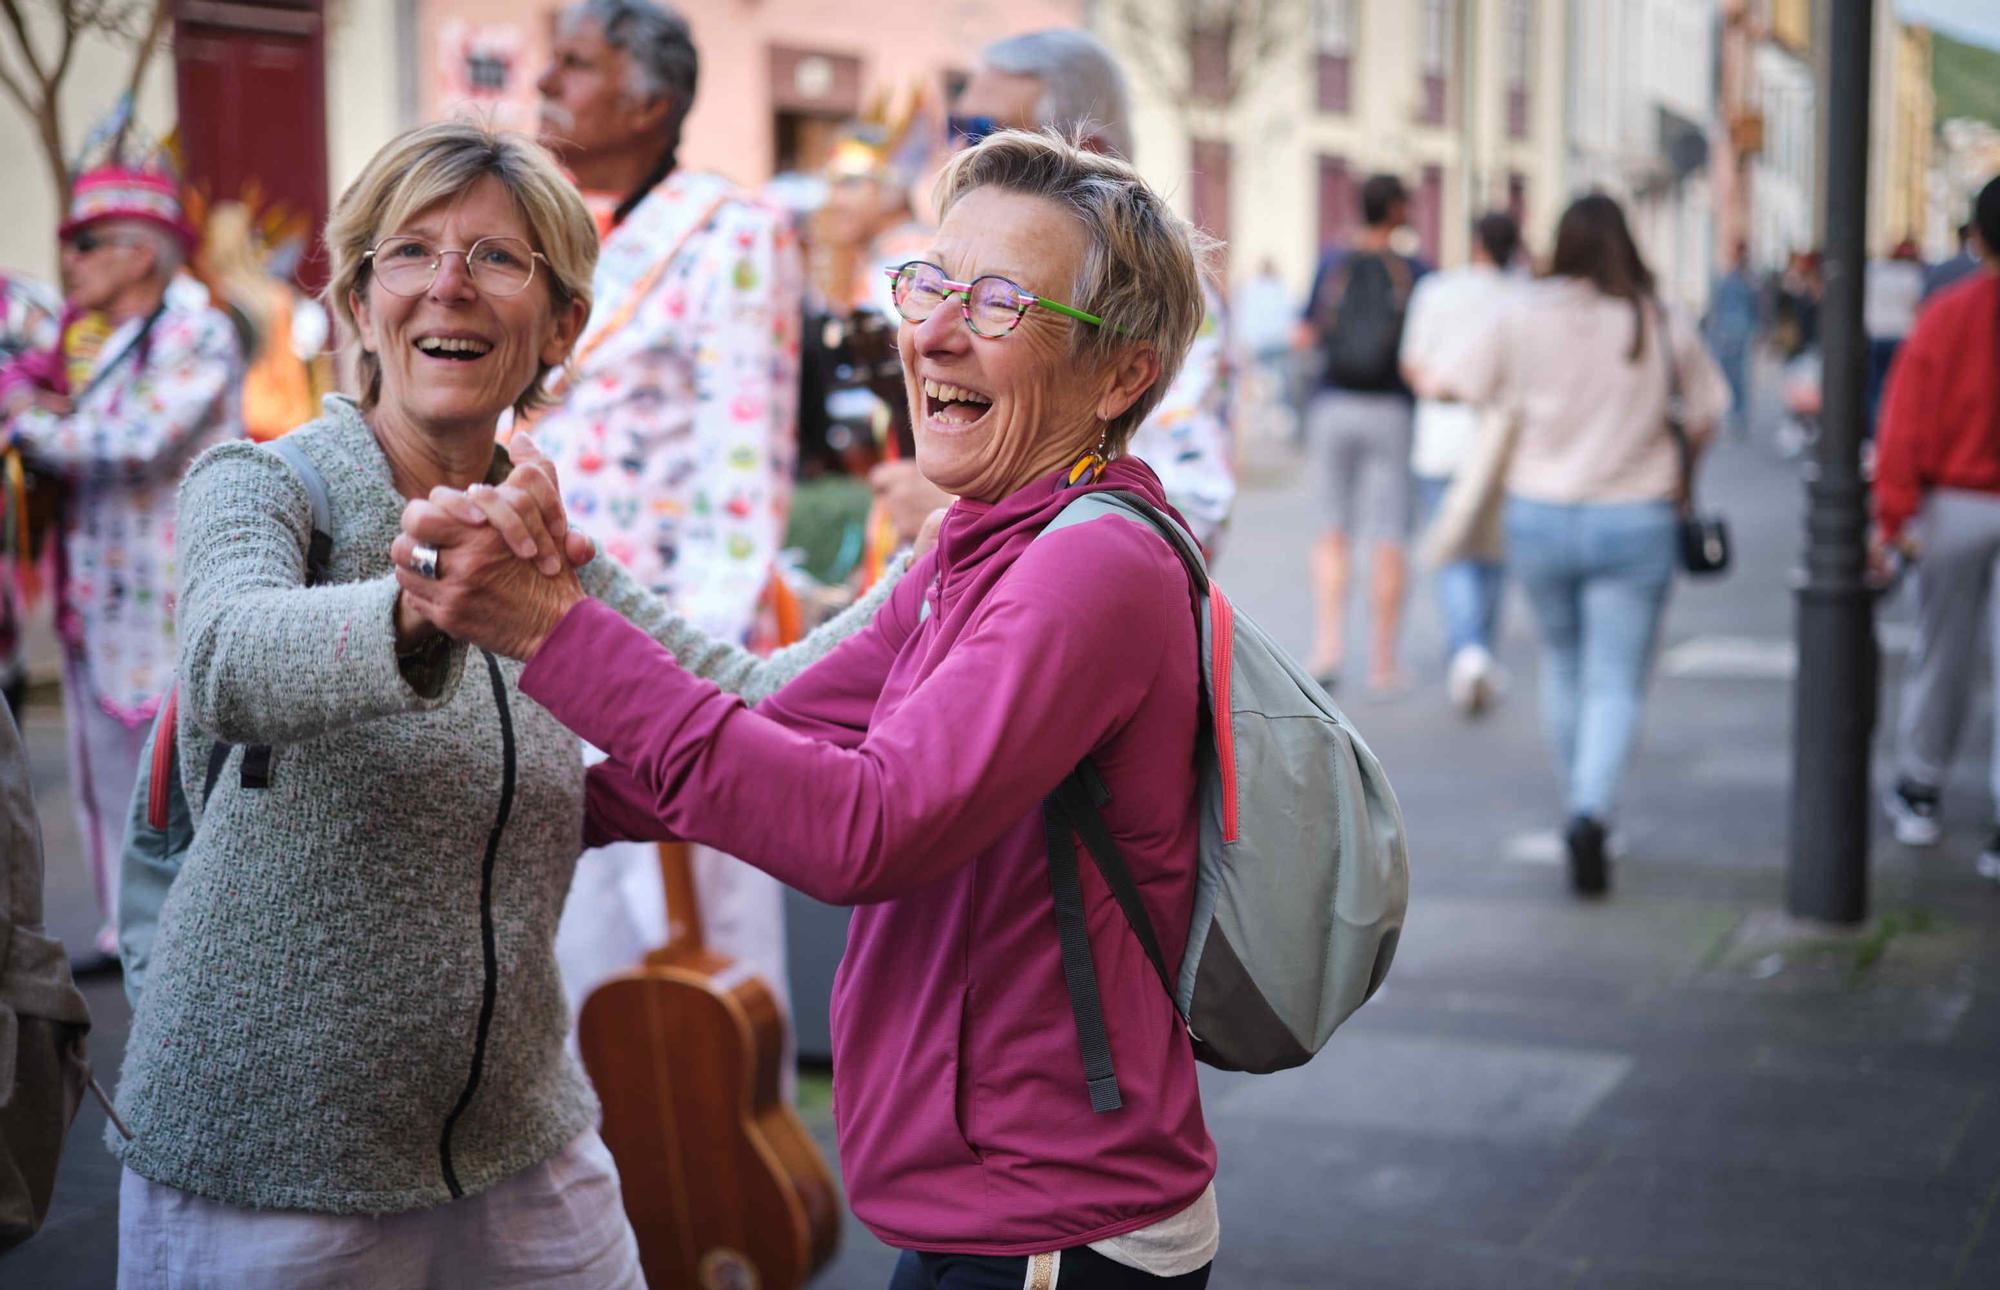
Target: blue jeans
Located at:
point(1597, 576)
point(1468, 591)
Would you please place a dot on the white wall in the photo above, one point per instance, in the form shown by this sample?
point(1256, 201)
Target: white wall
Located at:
point(96, 77)
point(368, 89)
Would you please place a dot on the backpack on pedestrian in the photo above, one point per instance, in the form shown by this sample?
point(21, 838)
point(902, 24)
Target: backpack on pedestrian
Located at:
point(1358, 315)
point(159, 825)
point(1302, 880)
point(43, 1074)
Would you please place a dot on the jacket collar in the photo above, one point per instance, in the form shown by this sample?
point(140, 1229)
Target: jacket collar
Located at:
point(975, 532)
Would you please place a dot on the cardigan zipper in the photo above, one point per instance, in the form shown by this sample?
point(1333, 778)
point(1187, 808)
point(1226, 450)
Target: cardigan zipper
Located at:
point(492, 979)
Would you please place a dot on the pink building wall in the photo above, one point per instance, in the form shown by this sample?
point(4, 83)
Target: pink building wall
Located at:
point(484, 55)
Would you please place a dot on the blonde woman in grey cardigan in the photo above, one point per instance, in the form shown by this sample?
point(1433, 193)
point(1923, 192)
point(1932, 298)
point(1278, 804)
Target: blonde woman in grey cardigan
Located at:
point(347, 1067)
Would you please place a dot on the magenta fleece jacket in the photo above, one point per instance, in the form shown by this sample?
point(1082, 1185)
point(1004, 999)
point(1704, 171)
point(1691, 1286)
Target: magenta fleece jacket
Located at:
point(904, 774)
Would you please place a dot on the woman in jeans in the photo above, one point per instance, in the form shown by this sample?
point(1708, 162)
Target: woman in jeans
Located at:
point(1581, 361)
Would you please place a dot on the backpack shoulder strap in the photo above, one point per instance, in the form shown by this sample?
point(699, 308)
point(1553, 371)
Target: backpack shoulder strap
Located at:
point(256, 771)
point(1401, 280)
point(319, 550)
point(1071, 811)
point(1130, 506)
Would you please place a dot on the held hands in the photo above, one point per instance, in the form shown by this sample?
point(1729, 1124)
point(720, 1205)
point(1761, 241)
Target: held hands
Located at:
point(506, 560)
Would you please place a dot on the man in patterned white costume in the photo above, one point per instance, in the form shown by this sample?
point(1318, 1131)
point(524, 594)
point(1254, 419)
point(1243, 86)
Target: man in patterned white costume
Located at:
point(164, 385)
point(675, 430)
point(1066, 80)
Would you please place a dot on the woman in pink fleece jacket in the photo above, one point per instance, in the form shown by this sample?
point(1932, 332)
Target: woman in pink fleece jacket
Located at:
point(904, 773)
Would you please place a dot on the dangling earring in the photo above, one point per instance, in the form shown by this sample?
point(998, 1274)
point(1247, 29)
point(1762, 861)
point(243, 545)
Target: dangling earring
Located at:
point(1089, 466)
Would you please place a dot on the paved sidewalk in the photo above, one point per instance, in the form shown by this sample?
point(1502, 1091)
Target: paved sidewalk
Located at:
point(1671, 1089)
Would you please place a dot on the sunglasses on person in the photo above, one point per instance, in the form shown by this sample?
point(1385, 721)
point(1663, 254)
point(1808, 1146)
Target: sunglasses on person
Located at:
point(88, 242)
point(965, 131)
point(498, 266)
point(993, 305)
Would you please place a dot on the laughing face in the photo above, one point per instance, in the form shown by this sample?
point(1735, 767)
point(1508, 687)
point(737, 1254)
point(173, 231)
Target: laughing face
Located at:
point(993, 414)
point(453, 356)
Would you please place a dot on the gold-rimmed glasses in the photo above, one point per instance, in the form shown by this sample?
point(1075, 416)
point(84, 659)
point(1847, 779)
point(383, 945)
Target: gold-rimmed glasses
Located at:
point(499, 266)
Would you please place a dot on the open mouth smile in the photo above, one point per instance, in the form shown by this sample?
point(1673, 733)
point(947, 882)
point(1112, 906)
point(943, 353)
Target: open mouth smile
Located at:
point(459, 349)
point(953, 405)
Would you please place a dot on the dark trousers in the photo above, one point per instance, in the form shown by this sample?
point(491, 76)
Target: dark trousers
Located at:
point(1081, 1269)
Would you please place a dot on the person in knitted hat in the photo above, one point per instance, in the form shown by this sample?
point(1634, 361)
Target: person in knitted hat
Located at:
point(118, 433)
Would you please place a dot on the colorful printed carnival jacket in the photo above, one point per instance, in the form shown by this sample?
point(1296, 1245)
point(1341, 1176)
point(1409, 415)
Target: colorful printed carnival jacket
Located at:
point(675, 433)
point(154, 399)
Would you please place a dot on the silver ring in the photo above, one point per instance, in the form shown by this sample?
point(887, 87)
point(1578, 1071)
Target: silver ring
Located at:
point(424, 561)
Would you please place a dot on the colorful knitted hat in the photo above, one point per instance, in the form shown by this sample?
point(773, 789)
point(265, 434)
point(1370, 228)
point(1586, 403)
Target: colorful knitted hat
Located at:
point(121, 192)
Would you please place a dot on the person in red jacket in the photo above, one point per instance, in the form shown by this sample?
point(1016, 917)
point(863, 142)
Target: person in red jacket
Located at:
point(1937, 501)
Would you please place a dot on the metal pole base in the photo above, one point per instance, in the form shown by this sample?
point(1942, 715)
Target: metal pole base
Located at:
point(1827, 879)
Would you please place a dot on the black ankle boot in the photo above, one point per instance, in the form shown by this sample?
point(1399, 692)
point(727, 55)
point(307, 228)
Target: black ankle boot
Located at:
point(1589, 875)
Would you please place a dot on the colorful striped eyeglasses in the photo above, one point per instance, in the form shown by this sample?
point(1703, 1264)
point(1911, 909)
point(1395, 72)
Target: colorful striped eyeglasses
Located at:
point(993, 305)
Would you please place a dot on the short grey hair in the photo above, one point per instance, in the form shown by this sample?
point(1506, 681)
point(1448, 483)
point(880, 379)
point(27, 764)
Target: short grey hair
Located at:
point(169, 252)
point(1083, 90)
point(1141, 271)
point(659, 46)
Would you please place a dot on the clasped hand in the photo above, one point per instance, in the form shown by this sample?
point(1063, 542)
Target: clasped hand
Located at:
point(506, 560)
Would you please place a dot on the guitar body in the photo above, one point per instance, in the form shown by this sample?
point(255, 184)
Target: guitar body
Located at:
point(724, 1188)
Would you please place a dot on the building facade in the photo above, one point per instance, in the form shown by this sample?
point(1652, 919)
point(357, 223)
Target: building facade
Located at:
point(1265, 139)
point(1901, 125)
point(1642, 117)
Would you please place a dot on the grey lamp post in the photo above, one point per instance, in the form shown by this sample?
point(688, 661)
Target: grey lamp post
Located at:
point(1834, 713)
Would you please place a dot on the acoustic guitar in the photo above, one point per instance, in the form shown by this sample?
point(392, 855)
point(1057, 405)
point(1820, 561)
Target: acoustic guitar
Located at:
point(723, 1185)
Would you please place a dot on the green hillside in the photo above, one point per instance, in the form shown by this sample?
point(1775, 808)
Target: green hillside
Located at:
point(1966, 79)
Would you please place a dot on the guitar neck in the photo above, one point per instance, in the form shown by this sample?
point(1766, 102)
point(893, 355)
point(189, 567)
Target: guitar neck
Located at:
point(683, 906)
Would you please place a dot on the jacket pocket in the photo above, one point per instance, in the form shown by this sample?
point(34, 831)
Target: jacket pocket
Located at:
point(963, 1092)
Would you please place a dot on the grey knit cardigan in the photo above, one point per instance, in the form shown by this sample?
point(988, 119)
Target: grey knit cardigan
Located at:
point(354, 1004)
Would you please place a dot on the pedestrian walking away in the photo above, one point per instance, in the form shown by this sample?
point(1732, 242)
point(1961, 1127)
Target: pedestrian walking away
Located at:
point(379, 1094)
point(906, 773)
point(1448, 311)
point(1733, 323)
point(1937, 502)
point(1584, 360)
point(1358, 426)
point(1893, 291)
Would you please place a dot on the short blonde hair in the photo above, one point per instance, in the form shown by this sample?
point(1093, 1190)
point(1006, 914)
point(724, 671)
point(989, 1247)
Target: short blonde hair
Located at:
point(432, 163)
point(1142, 270)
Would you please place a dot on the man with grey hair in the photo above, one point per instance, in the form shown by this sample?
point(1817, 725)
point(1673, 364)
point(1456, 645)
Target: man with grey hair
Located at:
point(1061, 78)
point(119, 429)
point(674, 430)
point(1065, 80)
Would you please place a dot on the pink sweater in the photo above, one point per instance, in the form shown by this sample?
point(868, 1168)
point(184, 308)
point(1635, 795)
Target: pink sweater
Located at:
point(904, 774)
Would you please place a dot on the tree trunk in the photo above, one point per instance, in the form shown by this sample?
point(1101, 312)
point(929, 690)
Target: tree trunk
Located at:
point(48, 124)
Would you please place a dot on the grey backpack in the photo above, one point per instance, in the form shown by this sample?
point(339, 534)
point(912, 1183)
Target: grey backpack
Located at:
point(1303, 878)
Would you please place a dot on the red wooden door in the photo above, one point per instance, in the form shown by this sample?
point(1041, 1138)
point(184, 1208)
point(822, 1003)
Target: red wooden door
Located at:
point(1339, 212)
point(251, 83)
point(1427, 213)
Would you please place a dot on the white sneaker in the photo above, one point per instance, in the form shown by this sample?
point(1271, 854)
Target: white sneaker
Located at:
point(1913, 816)
point(1471, 680)
point(1989, 859)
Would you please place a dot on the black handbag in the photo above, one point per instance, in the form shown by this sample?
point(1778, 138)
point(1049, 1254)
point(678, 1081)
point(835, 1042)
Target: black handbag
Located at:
point(1704, 539)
